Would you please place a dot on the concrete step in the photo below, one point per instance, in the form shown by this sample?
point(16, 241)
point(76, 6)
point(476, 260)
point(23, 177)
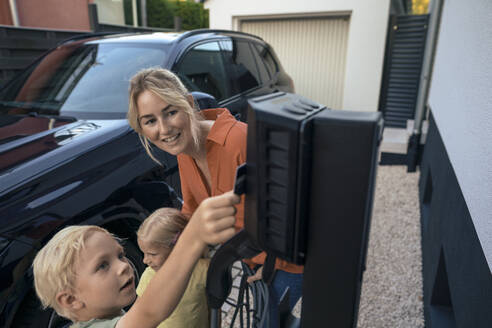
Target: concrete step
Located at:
point(395, 140)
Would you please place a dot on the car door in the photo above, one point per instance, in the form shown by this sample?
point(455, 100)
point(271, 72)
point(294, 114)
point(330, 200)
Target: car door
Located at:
point(249, 76)
point(279, 80)
point(203, 68)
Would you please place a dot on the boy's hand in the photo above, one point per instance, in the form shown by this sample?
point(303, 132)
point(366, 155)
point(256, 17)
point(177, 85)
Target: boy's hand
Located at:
point(213, 221)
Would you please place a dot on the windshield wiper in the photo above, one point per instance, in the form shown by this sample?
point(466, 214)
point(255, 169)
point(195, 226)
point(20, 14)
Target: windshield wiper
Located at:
point(42, 106)
point(28, 105)
point(57, 117)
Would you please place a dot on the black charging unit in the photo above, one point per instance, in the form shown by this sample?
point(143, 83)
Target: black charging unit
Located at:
point(310, 176)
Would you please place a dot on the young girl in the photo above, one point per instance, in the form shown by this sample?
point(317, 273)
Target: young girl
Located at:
point(156, 238)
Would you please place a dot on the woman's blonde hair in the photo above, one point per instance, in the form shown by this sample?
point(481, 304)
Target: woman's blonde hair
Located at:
point(162, 227)
point(167, 86)
point(54, 265)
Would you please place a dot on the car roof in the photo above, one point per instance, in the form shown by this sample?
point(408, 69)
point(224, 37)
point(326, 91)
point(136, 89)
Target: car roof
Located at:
point(160, 37)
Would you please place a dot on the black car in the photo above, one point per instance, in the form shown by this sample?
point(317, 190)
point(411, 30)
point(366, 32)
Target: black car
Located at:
point(58, 172)
point(87, 77)
point(68, 156)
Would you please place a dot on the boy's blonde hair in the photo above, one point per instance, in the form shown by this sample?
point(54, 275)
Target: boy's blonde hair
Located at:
point(54, 265)
point(162, 227)
point(167, 86)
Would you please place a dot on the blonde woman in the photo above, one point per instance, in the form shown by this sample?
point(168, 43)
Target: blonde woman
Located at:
point(209, 146)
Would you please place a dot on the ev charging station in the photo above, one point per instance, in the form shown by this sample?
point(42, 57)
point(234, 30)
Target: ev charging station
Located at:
point(309, 184)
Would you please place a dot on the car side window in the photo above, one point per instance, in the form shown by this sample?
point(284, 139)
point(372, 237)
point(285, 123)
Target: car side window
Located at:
point(202, 69)
point(267, 59)
point(264, 75)
point(243, 64)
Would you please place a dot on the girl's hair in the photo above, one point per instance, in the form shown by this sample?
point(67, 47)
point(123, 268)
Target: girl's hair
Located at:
point(167, 86)
point(162, 227)
point(54, 265)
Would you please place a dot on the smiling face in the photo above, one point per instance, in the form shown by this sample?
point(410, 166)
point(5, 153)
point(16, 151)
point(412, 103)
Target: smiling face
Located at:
point(154, 254)
point(104, 283)
point(166, 126)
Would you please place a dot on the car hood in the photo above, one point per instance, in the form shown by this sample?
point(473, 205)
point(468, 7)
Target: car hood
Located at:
point(30, 145)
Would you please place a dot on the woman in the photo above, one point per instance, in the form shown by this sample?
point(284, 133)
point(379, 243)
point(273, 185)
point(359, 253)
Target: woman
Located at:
point(209, 146)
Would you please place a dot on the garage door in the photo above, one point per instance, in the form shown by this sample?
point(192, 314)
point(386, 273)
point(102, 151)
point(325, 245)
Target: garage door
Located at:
point(312, 50)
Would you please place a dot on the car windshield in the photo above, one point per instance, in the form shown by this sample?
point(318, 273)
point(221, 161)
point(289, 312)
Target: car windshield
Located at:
point(85, 81)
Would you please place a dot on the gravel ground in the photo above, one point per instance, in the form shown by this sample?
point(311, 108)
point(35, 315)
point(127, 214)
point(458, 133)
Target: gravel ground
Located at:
point(392, 284)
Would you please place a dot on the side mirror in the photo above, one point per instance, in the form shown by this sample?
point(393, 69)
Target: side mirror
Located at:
point(204, 100)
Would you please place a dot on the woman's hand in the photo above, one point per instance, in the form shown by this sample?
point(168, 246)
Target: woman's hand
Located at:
point(213, 221)
point(257, 276)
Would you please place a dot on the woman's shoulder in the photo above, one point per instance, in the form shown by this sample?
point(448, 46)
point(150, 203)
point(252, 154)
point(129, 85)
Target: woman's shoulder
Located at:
point(223, 116)
point(240, 127)
point(237, 133)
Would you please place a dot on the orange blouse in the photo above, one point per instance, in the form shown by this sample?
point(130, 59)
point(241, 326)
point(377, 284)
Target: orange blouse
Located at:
point(226, 150)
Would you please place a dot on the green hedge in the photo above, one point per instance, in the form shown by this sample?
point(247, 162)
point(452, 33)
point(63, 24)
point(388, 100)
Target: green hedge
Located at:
point(160, 13)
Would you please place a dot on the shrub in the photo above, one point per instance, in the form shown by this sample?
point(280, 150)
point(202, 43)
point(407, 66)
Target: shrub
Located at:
point(193, 14)
point(160, 13)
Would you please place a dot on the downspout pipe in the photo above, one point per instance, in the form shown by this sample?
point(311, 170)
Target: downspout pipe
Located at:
point(414, 149)
point(143, 12)
point(13, 12)
point(134, 13)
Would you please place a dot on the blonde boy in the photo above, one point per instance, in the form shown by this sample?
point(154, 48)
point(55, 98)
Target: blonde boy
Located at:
point(83, 275)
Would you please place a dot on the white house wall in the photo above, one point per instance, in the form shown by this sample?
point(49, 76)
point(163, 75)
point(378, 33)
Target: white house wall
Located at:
point(110, 11)
point(365, 45)
point(461, 101)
